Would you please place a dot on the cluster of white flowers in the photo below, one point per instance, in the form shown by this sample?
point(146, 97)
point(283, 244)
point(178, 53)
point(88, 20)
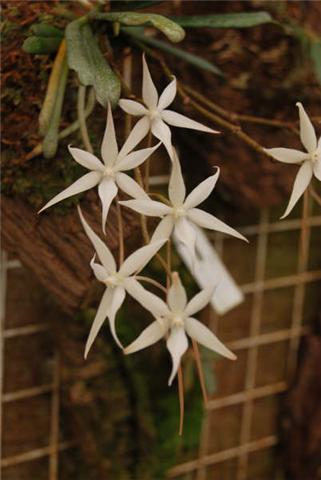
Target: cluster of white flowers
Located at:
point(173, 319)
point(179, 214)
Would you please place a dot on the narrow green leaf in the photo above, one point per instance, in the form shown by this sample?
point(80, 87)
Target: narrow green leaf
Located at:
point(86, 58)
point(195, 60)
point(52, 90)
point(229, 20)
point(315, 53)
point(45, 30)
point(170, 29)
point(50, 142)
point(41, 45)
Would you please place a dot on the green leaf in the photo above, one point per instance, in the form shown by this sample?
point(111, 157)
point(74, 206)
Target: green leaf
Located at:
point(194, 60)
point(45, 30)
point(50, 142)
point(41, 45)
point(315, 53)
point(229, 20)
point(170, 29)
point(86, 58)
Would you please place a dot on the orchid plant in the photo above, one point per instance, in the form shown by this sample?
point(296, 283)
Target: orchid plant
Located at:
point(155, 115)
point(309, 161)
point(180, 214)
point(109, 175)
point(173, 318)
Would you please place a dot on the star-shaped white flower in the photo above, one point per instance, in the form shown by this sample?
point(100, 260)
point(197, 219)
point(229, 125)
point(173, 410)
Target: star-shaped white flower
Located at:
point(155, 115)
point(180, 214)
point(173, 320)
point(117, 282)
point(310, 161)
point(108, 175)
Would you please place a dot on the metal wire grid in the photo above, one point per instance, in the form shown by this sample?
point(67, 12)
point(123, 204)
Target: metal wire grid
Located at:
point(198, 467)
point(55, 446)
point(245, 397)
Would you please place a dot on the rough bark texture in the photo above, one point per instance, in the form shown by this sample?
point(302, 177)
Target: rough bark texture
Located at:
point(55, 247)
point(301, 422)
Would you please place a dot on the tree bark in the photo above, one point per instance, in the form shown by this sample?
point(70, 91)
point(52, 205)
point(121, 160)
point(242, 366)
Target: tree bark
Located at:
point(55, 247)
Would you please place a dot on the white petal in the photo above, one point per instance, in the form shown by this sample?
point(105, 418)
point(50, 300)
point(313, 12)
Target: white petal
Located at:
point(101, 248)
point(134, 159)
point(84, 183)
point(287, 155)
point(100, 317)
point(137, 134)
point(161, 131)
point(148, 300)
point(109, 149)
point(177, 345)
point(130, 186)
point(117, 300)
point(107, 191)
point(206, 220)
point(168, 95)
point(186, 234)
point(205, 337)
point(317, 164)
point(164, 228)
point(137, 260)
point(307, 133)
point(154, 332)
point(149, 92)
point(176, 297)
point(202, 191)
point(99, 271)
point(149, 207)
point(86, 159)
point(132, 107)
point(199, 301)
point(176, 188)
point(301, 182)
point(177, 120)
point(317, 168)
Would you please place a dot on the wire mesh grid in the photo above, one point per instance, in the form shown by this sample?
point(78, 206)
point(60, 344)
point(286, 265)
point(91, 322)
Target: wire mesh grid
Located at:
point(196, 468)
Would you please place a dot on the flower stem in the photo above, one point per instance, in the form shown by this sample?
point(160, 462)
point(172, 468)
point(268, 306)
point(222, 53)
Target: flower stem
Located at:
point(147, 163)
point(236, 117)
point(168, 263)
point(200, 372)
point(304, 225)
point(215, 117)
point(316, 197)
point(152, 282)
point(82, 118)
point(120, 232)
point(181, 399)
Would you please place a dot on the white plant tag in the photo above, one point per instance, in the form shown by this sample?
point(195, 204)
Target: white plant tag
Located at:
point(210, 270)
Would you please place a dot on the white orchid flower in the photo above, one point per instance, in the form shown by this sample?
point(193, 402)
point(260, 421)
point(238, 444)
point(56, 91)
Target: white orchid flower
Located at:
point(108, 175)
point(117, 282)
point(181, 213)
point(310, 161)
point(174, 320)
point(155, 115)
